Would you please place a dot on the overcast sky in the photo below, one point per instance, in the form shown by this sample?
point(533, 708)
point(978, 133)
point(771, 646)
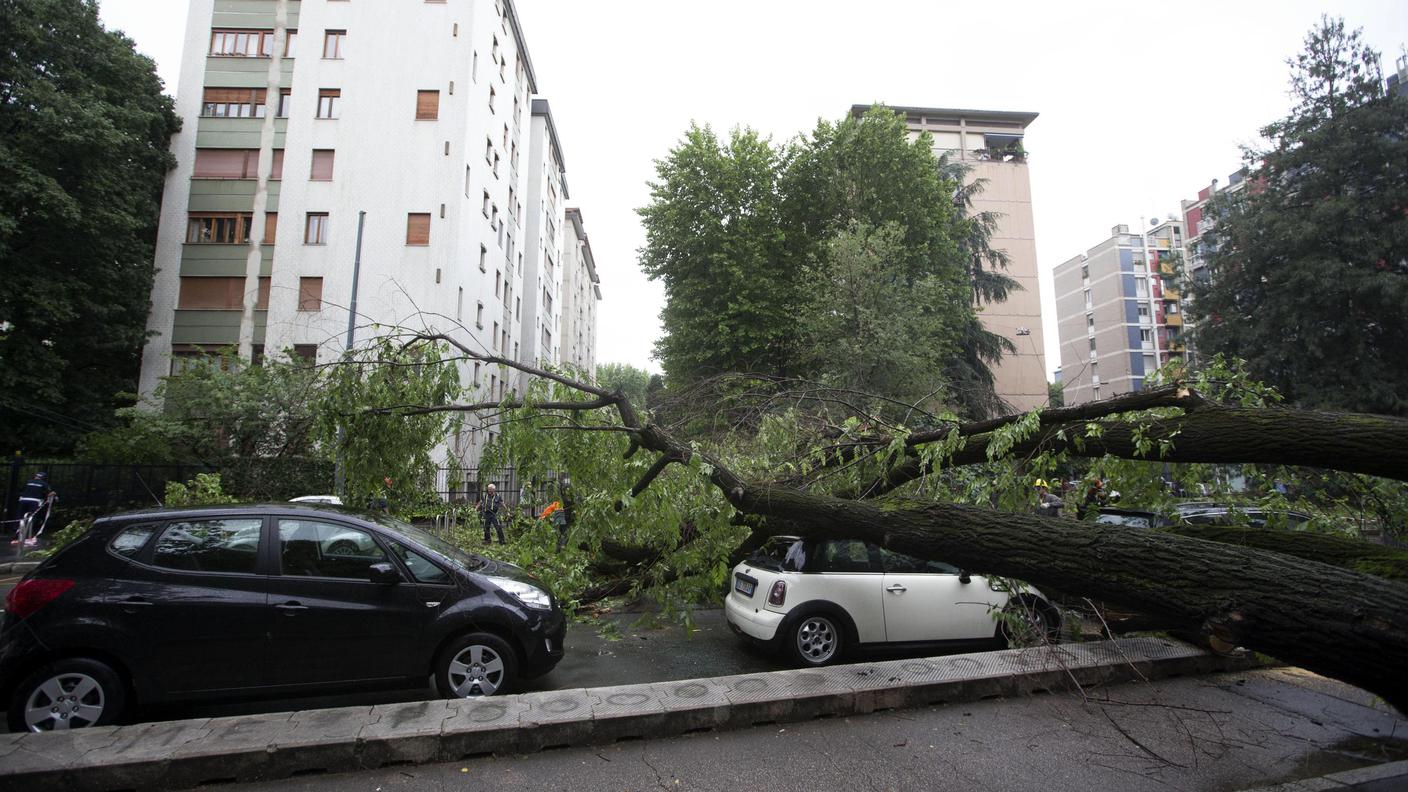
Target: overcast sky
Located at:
point(1141, 103)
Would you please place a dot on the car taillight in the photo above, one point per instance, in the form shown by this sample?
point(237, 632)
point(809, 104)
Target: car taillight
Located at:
point(31, 595)
point(778, 594)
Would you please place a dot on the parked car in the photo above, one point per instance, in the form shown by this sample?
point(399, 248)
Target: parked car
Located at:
point(1225, 514)
point(247, 601)
point(1132, 518)
point(815, 600)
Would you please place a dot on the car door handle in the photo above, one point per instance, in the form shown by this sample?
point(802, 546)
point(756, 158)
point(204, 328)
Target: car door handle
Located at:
point(292, 607)
point(895, 587)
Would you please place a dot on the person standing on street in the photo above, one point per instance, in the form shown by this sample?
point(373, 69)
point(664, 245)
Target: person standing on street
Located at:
point(489, 506)
point(37, 498)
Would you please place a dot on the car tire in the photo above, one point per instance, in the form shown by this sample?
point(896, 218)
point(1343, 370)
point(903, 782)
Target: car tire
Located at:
point(816, 640)
point(1037, 623)
point(72, 693)
point(475, 665)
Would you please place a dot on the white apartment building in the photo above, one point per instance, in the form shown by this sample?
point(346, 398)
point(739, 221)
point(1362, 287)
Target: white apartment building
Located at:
point(299, 116)
point(581, 292)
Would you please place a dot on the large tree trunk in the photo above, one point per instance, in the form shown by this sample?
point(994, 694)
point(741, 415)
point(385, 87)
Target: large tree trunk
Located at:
point(1329, 620)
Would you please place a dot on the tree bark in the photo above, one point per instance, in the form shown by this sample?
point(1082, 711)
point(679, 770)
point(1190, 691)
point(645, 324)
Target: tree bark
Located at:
point(1374, 445)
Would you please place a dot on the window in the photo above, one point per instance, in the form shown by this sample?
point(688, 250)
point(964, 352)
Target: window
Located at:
point(200, 293)
point(233, 103)
point(214, 163)
point(334, 43)
point(475, 381)
point(494, 216)
point(491, 99)
point(474, 66)
point(418, 228)
point(547, 341)
point(494, 339)
point(218, 228)
point(421, 568)
point(241, 43)
point(847, 556)
point(328, 101)
point(308, 353)
point(229, 546)
point(271, 227)
point(486, 203)
point(1090, 323)
point(547, 302)
point(489, 151)
point(503, 343)
point(310, 294)
point(517, 306)
point(479, 319)
point(322, 165)
point(459, 306)
point(309, 548)
point(1143, 312)
point(276, 168)
point(1149, 364)
point(903, 564)
point(131, 541)
point(1146, 336)
point(483, 259)
point(498, 283)
point(315, 231)
point(496, 166)
point(427, 105)
point(289, 41)
point(284, 96)
point(466, 181)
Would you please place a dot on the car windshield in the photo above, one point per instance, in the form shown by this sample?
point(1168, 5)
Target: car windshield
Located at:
point(451, 554)
point(781, 554)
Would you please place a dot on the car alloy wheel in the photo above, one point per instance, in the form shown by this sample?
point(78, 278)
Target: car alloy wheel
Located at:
point(476, 671)
point(71, 693)
point(816, 640)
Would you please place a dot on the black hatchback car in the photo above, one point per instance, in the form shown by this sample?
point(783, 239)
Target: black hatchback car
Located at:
point(259, 601)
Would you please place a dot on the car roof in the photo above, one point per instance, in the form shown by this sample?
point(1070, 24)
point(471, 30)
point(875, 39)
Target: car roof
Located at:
point(251, 509)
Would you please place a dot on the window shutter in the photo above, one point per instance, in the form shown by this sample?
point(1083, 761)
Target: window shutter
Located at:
point(427, 105)
point(418, 228)
point(261, 302)
point(210, 294)
point(271, 225)
point(322, 165)
point(214, 163)
point(310, 294)
point(276, 170)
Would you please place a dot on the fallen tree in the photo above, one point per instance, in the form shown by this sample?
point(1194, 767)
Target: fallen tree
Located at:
point(1331, 620)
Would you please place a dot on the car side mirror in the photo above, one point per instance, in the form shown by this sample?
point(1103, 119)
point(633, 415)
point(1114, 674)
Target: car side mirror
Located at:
point(383, 574)
point(964, 577)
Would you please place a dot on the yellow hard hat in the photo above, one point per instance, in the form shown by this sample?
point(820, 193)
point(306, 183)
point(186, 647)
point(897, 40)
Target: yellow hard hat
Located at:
point(1041, 482)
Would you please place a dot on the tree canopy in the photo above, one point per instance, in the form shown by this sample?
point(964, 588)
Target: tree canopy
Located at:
point(1309, 264)
point(841, 255)
point(84, 130)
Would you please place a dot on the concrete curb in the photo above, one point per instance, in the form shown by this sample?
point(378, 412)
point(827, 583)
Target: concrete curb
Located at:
point(1376, 778)
point(18, 566)
point(180, 754)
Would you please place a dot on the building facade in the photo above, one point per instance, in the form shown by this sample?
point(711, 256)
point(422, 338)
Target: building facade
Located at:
point(1119, 311)
point(581, 296)
point(309, 135)
point(990, 143)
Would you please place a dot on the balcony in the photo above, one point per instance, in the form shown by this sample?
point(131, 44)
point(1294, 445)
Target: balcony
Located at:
point(1173, 320)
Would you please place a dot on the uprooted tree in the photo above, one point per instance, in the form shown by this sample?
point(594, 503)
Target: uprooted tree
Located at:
point(1332, 620)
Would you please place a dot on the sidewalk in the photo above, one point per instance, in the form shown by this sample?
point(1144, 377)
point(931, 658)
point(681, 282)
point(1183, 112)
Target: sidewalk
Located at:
point(253, 747)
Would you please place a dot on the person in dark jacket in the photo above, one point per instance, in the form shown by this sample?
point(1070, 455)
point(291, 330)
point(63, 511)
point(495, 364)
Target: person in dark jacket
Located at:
point(490, 506)
point(37, 498)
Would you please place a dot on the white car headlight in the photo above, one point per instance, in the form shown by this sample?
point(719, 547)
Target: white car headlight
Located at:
point(529, 595)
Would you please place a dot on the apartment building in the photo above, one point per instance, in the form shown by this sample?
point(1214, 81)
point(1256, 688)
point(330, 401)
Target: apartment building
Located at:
point(316, 129)
point(990, 143)
point(581, 294)
point(1119, 311)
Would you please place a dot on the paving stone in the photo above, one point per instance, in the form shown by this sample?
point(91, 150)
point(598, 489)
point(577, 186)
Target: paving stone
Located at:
point(555, 718)
point(628, 711)
point(401, 733)
point(694, 704)
point(482, 726)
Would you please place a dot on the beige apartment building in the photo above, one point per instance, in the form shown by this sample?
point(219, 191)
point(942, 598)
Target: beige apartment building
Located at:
point(990, 143)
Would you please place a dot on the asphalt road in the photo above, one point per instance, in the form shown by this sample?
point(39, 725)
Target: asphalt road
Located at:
point(1222, 732)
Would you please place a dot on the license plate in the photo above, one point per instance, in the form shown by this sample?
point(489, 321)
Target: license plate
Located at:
point(744, 587)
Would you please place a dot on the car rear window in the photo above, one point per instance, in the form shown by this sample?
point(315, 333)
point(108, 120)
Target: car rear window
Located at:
point(781, 554)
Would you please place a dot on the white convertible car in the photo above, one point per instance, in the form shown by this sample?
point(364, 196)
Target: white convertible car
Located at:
point(816, 599)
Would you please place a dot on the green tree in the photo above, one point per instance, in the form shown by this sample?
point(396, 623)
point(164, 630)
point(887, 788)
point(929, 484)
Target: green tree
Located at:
point(715, 239)
point(84, 130)
point(626, 378)
point(1309, 265)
